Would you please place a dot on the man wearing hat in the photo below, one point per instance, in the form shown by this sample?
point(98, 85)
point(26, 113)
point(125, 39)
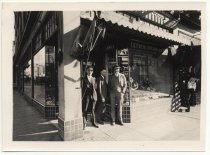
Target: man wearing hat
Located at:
point(89, 96)
point(117, 86)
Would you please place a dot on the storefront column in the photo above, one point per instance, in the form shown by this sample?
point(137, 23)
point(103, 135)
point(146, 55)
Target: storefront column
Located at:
point(70, 122)
point(32, 72)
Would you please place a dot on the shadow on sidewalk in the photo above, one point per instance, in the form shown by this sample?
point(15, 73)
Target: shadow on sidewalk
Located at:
point(29, 124)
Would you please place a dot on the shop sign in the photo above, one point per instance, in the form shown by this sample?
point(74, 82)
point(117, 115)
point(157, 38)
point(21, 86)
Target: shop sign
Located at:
point(136, 45)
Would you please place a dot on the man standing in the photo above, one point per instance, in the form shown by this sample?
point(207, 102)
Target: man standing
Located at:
point(182, 82)
point(101, 95)
point(89, 96)
point(192, 81)
point(117, 86)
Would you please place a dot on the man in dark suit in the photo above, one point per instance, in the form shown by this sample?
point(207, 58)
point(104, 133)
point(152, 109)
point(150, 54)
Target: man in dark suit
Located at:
point(89, 96)
point(101, 95)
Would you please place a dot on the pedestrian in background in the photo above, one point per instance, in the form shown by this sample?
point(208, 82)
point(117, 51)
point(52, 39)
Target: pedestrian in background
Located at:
point(192, 82)
point(182, 82)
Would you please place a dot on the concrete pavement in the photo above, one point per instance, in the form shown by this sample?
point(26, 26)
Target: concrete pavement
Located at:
point(29, 124)
point(151, 120)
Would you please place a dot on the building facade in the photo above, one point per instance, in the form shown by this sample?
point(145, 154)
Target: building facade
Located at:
point(35, 58)
point(52, 50)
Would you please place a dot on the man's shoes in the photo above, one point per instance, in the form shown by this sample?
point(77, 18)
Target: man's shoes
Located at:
point(112, 123)
point(95, 125)
point(102, 123)
point(121, 124)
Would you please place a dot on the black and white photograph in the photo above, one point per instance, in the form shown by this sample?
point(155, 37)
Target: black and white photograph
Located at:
point(117, 75)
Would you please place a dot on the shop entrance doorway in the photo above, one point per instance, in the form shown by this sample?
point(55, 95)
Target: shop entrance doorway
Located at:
point(107, 57)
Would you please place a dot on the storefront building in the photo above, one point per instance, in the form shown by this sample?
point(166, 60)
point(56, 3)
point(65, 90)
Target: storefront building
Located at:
point(51, 58)
point(35, 59)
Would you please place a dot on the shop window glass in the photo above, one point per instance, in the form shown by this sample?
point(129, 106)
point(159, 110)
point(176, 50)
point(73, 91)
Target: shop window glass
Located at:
point(139, 71)
point(27, 79)
point(45, 76)
point(39, 76)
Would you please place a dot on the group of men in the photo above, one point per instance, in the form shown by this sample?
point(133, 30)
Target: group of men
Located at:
point(95, 94)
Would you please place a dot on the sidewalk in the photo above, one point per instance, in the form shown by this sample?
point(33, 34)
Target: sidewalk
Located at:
point(29, 124)
point(151, 120)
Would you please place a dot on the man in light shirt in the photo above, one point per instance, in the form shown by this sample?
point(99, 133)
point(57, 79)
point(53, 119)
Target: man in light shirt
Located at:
point(117, 87)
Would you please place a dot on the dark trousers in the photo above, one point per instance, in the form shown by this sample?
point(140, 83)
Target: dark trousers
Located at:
point(88, 106)
point(191, 97)
point(184, 94)
point(116, 98)
point(100, 108)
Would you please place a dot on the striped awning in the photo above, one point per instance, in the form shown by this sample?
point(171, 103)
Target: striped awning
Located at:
point(141, 26)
